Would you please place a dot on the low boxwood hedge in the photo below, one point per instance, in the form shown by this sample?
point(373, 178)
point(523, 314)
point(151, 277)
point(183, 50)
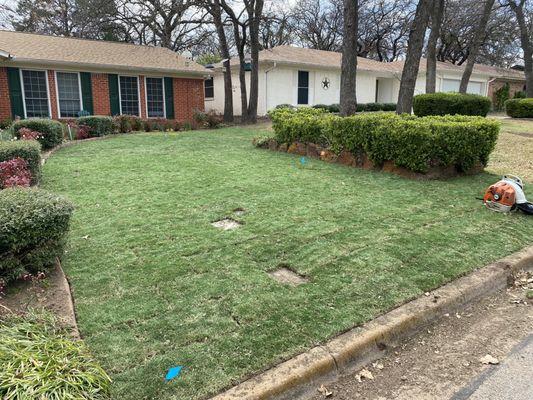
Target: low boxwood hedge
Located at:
point(451, 104)
point(361, 107)
point(519, 108)
point(33, 227)
point(29, 150)
point(51, 131)
point(98, 125)
point(411, 142)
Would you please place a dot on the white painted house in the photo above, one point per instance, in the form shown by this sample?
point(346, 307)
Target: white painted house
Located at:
point(299, 76)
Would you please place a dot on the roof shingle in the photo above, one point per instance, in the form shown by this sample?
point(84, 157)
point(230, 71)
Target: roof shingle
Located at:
point(97, 53)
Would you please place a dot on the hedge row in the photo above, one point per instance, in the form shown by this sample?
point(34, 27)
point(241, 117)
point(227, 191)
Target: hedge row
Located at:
point(519, 108)
point(411, 142)
point(51, 131)
point(33, 227)
point(361, 107)
point(451, 104)
point(29, 150)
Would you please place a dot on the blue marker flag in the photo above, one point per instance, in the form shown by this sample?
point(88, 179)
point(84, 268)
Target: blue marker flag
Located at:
point(173, 372)
point(302, 160)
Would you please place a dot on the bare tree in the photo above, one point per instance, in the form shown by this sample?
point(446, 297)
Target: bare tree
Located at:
point(475, 45)
point(214, 8)
point(431, 65)
point(412, 60)
point(348, 99)
point(526, 40)
point(254, 8)
point(318, 24)
point(276, 29)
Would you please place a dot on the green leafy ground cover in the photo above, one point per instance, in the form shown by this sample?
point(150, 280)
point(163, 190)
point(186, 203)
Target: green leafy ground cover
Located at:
point(155, 285)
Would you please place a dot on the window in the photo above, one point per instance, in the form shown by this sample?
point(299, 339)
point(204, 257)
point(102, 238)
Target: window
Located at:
point(155, 97)
point(209, 88)
point(35, 94)
point(129, 95)
point(303, 87)
point(68, 94)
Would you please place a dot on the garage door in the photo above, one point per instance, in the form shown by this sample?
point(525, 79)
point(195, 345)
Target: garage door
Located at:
point(452, 85)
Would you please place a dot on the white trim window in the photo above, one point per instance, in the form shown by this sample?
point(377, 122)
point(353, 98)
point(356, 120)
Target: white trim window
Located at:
point(155, 97)
point(129, 95)
point(69, 97)
point(35, 93)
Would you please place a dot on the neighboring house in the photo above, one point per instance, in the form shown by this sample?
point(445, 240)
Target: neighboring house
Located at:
point(57, 77)
point(298, 76)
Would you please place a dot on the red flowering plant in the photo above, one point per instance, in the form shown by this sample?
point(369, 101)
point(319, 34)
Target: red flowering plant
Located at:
point(14, 172)
point(83, 132)
point(29, 134)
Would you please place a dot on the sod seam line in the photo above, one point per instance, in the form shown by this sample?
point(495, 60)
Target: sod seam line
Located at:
point(300, 376)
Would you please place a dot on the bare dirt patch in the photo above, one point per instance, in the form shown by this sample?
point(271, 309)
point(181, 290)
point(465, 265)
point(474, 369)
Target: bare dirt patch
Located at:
point(226, 224)
point(51, 294)
point(287, 277)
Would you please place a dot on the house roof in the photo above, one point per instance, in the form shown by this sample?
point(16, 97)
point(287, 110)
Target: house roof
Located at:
point(42, 49)
point(481, 69)
point(331, 59)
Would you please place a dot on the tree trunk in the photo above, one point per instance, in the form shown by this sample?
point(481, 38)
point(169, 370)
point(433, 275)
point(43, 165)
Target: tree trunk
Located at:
point(475, 45)
point(527, 44)
point(348, 97)
point(431, 65)
point(216, 12)
point(255, 10)
point(412, 59)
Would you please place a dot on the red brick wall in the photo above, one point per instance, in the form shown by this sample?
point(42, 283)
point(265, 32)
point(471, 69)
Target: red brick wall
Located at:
point(142, 97)
point(188, 96)
point(53, 93)
point(5, 102)
point(100, 88)
point(514, 86)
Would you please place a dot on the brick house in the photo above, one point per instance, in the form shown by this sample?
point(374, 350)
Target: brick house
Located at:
point(57, 77)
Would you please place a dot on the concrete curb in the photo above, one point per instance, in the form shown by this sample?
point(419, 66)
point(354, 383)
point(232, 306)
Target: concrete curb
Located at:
point(302, 375)
point(70, 317)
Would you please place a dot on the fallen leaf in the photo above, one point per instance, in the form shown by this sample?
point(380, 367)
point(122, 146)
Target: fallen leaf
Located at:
point(324, 390)
point(364, 373)
point(85, 237)
point(377, 365)
point(488, 359)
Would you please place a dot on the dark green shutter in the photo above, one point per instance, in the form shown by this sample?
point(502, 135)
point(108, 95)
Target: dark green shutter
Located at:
point(114, 99)
point(169, 98)
point(87, 92)
point(15, 92)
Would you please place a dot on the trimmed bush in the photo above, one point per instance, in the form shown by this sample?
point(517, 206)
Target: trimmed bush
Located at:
point(28, 150)
point(51, 131)
point(98, 125)
point(519, 108)
point(411, 142)
point(451, 104)
point(361, 107)
point(41, 361)
point(33, 227)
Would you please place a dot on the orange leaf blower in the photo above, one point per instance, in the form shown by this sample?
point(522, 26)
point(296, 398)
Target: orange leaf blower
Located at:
point(507, 195)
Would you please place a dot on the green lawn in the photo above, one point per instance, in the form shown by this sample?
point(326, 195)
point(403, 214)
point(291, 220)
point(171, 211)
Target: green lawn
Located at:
point(155, 285)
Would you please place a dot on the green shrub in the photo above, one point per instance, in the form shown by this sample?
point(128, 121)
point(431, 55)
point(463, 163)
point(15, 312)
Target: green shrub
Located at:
point(451, 104)
point(520, 95)
point(5, 123)
point(29, 150)
point(501, 96)
point(51, 131)
point(99, 125)
point(411, 142)
point(41, 361)
point(519, 108)
point(33, 227)
point(361, 107)
point(303, 124)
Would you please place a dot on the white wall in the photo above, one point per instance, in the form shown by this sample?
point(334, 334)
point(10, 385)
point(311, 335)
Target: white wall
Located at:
point(279, 85)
